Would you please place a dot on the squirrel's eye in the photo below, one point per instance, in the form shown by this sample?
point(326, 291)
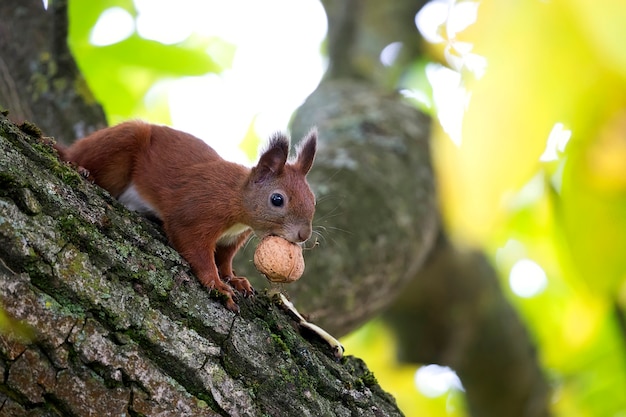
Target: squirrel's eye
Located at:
point(277, 200)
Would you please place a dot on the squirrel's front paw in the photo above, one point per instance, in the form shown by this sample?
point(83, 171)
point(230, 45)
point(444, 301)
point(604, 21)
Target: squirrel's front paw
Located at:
point(240, 284)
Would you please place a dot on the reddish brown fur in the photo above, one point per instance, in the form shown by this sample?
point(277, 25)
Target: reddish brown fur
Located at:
point(199, 196)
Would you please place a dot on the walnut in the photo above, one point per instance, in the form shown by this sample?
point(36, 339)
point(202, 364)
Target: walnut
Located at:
point(278, 259)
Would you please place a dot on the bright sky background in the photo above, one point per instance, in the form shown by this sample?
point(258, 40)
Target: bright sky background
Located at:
point(277, 63)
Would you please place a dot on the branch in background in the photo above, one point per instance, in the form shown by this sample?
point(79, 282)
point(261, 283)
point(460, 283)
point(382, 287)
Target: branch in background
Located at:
point(454, 313)
point(39, 80)
point(359, 30)
point(376, 213)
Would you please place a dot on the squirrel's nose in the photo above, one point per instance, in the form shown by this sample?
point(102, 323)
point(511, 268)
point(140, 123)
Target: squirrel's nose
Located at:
point(304, 233)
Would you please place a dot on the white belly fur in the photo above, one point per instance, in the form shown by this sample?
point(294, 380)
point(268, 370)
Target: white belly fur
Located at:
point(133, 201)
point(231, 235)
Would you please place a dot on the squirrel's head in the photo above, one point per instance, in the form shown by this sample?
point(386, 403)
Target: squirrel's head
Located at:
point(277, 196)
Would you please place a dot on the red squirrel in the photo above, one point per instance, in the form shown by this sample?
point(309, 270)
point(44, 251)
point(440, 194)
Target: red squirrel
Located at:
point(208, 206)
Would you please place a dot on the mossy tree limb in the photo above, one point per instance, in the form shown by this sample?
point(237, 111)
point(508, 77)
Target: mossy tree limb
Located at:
point(119, 326)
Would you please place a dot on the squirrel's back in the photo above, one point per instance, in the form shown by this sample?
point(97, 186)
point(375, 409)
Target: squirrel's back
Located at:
point(113, 155)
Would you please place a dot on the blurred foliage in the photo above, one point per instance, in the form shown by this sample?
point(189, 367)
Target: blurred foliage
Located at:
point(547, 62)
point(123, 73)
point(551, 66)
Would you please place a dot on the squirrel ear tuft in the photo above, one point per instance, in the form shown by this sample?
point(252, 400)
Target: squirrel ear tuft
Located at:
point(306, 152)
point(273, 159)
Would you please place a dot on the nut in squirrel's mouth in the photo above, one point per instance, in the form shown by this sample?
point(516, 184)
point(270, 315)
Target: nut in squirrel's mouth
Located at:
point(279, 260)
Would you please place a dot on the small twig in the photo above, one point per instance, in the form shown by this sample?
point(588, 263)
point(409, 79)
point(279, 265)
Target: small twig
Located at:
point(288, 306)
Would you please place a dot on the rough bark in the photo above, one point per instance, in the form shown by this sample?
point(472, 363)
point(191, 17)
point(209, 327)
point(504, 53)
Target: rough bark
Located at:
point(118, 326)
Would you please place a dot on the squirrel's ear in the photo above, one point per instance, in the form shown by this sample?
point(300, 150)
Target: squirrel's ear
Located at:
point(272, 161)
point(306, 152)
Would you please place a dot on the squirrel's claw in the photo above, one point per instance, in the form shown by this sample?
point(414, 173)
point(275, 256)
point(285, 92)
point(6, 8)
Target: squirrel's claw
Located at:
point(241, 285)
point(231, 305)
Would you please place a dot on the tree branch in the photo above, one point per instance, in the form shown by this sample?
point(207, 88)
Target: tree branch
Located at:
point(39, 80)
point(121, 328)
point(454, 313)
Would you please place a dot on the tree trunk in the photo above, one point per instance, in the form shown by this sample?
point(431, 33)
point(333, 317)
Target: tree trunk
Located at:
point(115, 324)
point(39, 79)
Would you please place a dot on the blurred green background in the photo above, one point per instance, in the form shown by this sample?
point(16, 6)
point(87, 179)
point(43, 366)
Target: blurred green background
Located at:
point(528, 100)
